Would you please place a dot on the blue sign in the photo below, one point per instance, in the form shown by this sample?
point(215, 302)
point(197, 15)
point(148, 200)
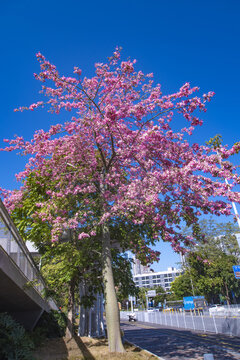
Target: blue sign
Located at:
point(236, 269)
point(188, 301)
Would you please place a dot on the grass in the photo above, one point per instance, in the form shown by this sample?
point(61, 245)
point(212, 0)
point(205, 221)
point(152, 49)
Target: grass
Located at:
point(79, 348)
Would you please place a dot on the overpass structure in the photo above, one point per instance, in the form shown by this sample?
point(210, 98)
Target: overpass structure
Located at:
point(21, 283)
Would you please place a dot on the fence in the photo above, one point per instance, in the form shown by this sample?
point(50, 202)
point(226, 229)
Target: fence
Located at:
point(205, 323)
point(225, 310)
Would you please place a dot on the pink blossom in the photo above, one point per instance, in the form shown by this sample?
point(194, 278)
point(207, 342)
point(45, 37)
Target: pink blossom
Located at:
point(118, 156)
point(83, 235)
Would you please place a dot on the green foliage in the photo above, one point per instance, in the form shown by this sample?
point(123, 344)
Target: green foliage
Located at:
point(213, 277)
point(142, 297)
point(215, 142)
point(216, 277)
point(182, 286)
point(68, 263)
point(218, 237)
point(123, 276)
point(51, 325)
point(25, 216)
point(15, 344)
point(124, 231)
point(38, 336)
point(161, 295)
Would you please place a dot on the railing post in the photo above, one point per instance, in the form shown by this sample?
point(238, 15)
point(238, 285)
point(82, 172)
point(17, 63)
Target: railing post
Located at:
point(9, 242)
point(177, 319)
point(171, 318)
point(215, 326)
point(192, 320)
point(184, 316)
point(204, 329)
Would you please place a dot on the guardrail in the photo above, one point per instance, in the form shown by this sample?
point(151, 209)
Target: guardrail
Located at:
point(225, 310)
point(204, 323)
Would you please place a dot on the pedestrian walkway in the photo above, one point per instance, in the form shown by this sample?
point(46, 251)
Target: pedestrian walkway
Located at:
point(21, 283)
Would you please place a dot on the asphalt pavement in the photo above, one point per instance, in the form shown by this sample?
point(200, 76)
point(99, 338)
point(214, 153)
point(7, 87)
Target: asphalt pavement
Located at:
point(178, 344)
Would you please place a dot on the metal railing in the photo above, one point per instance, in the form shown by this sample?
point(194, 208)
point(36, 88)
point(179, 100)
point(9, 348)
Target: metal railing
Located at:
point(13, 245)
point(204, 323)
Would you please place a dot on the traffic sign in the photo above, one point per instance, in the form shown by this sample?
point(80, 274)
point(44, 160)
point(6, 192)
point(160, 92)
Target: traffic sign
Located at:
point(236, 269)
point(151, 293)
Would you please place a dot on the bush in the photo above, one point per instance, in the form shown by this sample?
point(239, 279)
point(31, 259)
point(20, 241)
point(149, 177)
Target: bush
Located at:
point(15, 344)
point(52, 324)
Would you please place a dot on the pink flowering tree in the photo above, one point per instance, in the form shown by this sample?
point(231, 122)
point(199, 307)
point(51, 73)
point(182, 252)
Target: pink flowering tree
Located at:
point(118, 150)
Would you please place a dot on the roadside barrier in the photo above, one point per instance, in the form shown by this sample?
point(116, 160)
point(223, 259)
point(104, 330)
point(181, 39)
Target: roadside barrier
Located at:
point(205, 323)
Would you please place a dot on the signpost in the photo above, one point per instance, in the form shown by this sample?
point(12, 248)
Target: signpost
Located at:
point(236, 269)
point(131, 302)
point(151, 293)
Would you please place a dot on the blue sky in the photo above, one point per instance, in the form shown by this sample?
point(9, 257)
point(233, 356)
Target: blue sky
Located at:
point(179, 41)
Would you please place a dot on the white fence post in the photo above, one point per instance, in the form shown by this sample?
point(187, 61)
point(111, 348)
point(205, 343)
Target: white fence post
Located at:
point(184, 316)
point(171, 318)
point(177, 320)
point(192, 320)
point(215, 326)
point(204, 329)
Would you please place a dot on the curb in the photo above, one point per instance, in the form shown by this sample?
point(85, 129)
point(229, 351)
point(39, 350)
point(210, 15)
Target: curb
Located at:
point(149, 352)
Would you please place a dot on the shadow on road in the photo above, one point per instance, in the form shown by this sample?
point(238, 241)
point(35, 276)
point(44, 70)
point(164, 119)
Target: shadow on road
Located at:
point(177, 344)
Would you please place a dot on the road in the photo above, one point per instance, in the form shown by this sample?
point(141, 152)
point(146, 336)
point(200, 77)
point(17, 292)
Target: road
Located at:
point(177, 344)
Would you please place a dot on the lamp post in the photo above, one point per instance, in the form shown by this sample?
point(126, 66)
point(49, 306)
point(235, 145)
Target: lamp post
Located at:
point(233, 203)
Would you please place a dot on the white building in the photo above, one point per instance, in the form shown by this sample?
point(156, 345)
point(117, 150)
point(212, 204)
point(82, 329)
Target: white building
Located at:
point(161, 278)
point(138, 268)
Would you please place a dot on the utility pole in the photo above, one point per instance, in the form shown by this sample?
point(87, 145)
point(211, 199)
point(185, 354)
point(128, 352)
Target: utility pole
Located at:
point(233, 203)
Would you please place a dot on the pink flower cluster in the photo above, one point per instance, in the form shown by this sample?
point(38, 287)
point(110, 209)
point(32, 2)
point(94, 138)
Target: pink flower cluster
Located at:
point(117, 156)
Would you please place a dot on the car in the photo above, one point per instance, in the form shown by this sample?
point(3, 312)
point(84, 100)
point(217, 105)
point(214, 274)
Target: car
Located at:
point(217, 309)
point(152, 309)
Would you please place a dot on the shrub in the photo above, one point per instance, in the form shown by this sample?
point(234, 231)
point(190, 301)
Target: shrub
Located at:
point(52, 324)
point(15, 344)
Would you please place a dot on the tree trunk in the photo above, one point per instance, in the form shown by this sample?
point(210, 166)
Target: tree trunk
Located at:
point(111, 305)
point(227, 294)
point(71, 311)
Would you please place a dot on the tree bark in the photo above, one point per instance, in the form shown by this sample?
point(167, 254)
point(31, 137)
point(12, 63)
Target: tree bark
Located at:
point(227, 294)
point(71, 311)
point(111, 305)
